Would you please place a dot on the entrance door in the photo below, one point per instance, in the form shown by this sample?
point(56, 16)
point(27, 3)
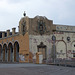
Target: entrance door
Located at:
point(42, 48)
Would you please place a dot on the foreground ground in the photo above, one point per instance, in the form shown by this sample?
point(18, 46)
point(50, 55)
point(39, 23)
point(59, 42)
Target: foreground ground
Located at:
point(35, 69)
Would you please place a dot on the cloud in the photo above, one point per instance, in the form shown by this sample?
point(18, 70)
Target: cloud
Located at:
point(16, 1)
point(60, 11)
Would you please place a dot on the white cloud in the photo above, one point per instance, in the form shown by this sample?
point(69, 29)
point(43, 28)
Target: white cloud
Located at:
point(60, 11)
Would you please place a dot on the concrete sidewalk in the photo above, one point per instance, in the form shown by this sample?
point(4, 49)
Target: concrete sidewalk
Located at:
point(20, 65)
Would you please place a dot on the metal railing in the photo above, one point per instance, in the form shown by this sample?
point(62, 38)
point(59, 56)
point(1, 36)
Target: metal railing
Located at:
point(62, 62)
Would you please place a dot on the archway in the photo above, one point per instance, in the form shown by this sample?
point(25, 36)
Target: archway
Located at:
point(4, 52)
point(42, 48)
point(1, 53)
point(10, 52)
point(61, 50)
point(16, 51)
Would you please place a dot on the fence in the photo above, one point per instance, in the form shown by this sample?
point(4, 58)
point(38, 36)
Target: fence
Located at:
point(62, 62)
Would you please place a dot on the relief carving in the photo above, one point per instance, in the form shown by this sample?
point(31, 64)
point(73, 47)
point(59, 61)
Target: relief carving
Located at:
point(41, 27)
point(24, 28)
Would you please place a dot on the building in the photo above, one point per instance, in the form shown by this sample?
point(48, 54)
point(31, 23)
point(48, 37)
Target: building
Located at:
point(37, 34)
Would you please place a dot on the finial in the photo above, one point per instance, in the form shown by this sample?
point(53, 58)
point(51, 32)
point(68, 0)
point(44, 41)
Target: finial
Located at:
point(24, 13)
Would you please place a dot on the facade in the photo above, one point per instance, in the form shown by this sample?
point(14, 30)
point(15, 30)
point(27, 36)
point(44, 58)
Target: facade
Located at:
point(37, 34)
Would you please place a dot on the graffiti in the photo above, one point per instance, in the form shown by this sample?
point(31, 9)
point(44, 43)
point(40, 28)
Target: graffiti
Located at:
point(21, 57)
point(32, 57)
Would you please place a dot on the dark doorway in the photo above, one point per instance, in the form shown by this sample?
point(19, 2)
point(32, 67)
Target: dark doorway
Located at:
point(10, 52)
point(16, 52)
point(4, 52)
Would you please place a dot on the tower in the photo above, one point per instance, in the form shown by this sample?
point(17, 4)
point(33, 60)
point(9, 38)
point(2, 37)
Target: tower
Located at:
point(23, 25)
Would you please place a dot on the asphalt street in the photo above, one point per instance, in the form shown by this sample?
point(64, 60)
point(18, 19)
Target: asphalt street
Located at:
point(35, 69)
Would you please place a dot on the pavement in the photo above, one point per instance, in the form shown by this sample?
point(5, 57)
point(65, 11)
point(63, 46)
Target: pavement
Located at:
point(34, 69)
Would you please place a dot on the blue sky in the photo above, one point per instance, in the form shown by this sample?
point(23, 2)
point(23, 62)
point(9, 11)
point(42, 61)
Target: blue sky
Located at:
point(60, 11)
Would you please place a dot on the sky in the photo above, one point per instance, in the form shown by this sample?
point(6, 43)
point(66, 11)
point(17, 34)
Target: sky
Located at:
point(60, 11)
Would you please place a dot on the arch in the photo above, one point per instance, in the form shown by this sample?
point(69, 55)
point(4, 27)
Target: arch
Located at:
point(61, 49)
point(10, 43)
point(16, 51)
point(4, 52)
point(10, 52)
point(43, 49)
point(1, 52)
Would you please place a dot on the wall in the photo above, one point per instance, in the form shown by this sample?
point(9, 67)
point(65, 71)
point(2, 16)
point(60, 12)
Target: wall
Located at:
point(34, 41)
point(23, 45)
point(67, 46)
